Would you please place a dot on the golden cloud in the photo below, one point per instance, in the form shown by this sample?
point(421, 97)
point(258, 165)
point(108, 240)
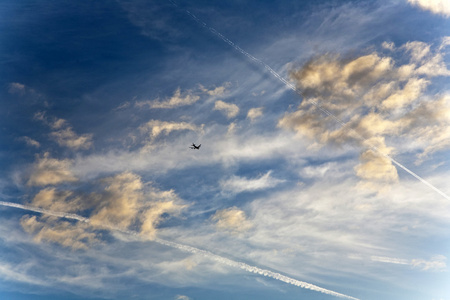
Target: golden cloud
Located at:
point(125, 203)
point(231, 219)
point(47, 170)
point(377, 99)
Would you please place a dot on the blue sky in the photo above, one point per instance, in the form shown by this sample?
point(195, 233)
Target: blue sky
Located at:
point(323, 171)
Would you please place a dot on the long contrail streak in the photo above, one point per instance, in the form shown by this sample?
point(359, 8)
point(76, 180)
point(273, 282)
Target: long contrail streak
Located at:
point(193, 250)
point(46, 211)
point(316, 104)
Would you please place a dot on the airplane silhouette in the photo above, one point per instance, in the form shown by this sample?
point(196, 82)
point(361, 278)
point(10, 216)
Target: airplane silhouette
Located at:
point(195, 147)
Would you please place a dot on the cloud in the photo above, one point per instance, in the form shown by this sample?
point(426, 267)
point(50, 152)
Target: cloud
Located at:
point(156, 127)
point(75, 236)
point(437, 263)
point(254, 113)
point(16, 88)
point(238, 184)
point(182, 297)
point(217, 91)
point(63, 133)
point(440, 7)
point(124, 203)
point(380, 102)
point(30, 142)
point(231, 219)
point(48, 171)
point(65, 136)
point(175, 101)
point(229, 109)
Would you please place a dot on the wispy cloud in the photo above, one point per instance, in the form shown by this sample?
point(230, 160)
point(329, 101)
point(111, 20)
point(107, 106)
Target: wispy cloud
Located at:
point(238, 184)
point(175, 101)
point(64, 134)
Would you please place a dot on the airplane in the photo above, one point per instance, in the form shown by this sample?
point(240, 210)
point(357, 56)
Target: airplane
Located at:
point(195, 147)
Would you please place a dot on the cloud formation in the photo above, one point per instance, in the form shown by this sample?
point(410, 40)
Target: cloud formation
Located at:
point(380, 101)
point(125, 203)
point(47, 171)
point(236, 184)
point(231, 219)
point(156, 127)
point(229, 109)
point(255, 113)
point(64, 134)
point(440, 7)
point(175, 101)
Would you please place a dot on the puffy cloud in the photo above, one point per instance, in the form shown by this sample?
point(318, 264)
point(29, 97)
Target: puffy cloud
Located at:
point(47, 170)
point(75, 236)
point(60, 201)
point(378, 100)
point(176, 100)
point(156, 127)
point(238, 184)
point(440, 7)
point(217, 91)
point(125, 203)
point(231, 219)
point(229, 109)
point(254, 113)
point(182, 297)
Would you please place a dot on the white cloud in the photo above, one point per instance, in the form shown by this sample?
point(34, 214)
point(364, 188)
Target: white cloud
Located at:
point(47, 171)
point(437, 263)
point(156, 127)
point(16, 88)
point(238, 184)
point(383, 105)
point(30, 142)
point(229, 109)
point(255, 113)
point(440, 7)
point(231, 219)
point(175, 101)
point(64, 134)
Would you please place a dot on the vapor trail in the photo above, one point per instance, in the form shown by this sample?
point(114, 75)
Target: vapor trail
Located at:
point(45, 211)
point(252, 269)
point(316, 104)
point(193, 250)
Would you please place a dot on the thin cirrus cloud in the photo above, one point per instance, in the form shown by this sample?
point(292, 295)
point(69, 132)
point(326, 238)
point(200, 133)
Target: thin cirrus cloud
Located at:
point(439, 7)
point(178, 99)
point(237, 184)
point(63, 133)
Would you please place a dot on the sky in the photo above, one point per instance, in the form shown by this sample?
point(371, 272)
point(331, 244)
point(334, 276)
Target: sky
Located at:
point(324, 161)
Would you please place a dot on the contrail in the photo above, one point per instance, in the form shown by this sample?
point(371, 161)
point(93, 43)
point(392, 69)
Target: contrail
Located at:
point(193, 250)
point(316, 104)
point(252, 269)
point(46, 212)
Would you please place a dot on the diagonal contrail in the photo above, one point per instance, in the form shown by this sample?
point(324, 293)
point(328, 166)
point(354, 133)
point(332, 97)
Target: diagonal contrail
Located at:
point(316, 104)
point(193, 250)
